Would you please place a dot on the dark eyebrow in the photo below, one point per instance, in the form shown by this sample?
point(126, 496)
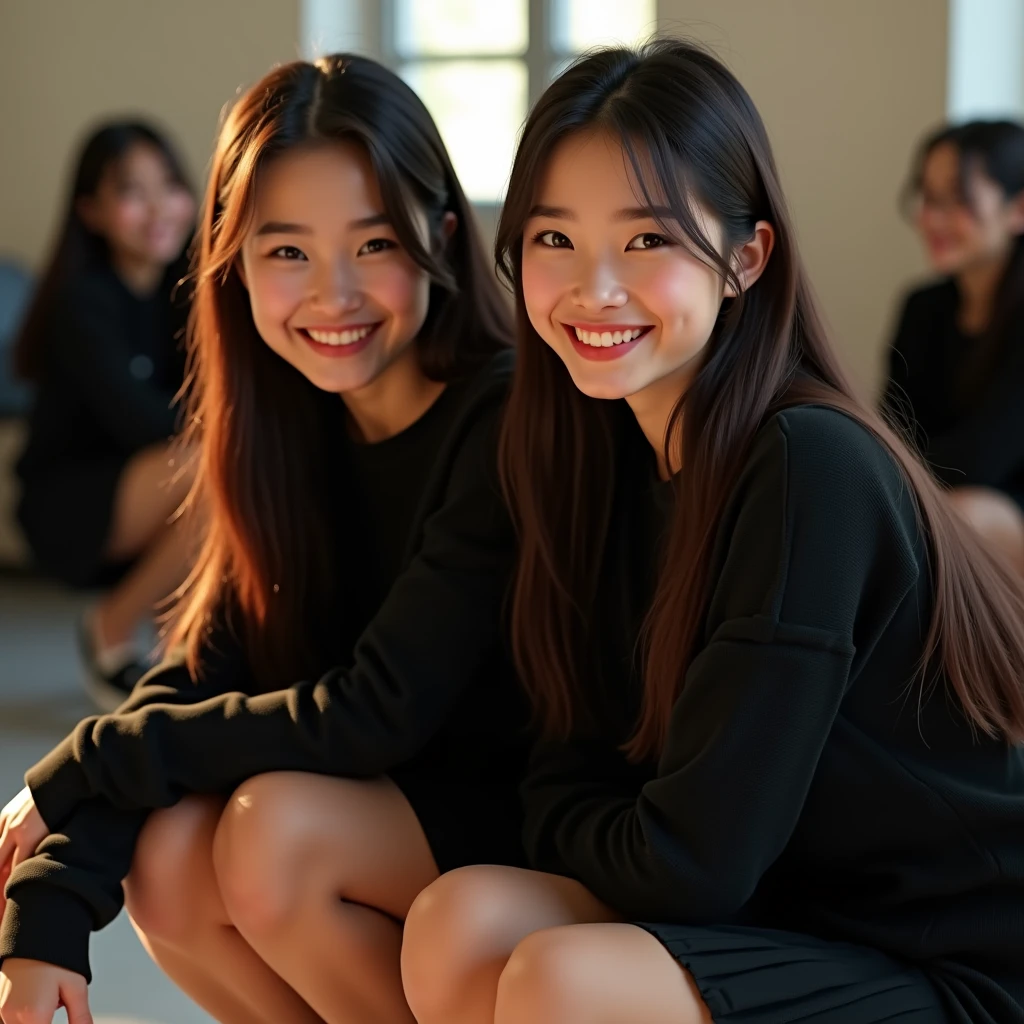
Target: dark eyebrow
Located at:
point(374, 220)
point(645, 213)
point(555, 212)
point(277, 227)
point(630, 213)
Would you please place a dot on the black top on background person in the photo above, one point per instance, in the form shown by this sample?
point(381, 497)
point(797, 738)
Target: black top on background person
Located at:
point(103, 343)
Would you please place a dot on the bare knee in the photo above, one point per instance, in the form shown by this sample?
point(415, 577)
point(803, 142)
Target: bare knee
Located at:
point(546, 980)
point(166, 891)
point(454, 929)
point(554, 976)
point(261, 849)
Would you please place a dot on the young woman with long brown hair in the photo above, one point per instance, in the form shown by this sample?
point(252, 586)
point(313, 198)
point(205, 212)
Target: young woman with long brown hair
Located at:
point(360, 543)
point(782, 684)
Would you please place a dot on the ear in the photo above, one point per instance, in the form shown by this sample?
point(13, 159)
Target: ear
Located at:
point(1016, 217)
point(240, 269)
point(750, 258)
point(449, 222)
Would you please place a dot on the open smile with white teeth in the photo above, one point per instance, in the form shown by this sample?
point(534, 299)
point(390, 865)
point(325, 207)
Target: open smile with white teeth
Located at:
point(349, 337)
point(605, 339)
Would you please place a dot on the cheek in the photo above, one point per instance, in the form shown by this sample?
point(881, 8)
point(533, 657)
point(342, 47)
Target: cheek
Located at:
point(543, 288)
point(181, 209)
point(273, 298)
point(683, 296)
point(401, 288)
point(128, 217)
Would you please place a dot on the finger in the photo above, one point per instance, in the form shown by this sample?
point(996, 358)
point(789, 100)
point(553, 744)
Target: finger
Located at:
point(18, 855)
point(6, 845)
point(75, 996)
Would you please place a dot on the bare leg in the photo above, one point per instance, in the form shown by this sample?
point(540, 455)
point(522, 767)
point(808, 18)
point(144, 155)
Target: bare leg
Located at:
point(317, 874)
point(996, 517)
point(596, 974)
point(462, 930)
point(175, 905)
point(151, 490)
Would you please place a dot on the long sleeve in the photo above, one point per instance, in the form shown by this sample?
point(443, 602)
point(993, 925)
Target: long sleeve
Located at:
point(436, 629)
point(89, 345)
point(72, 886)
point(812, 563)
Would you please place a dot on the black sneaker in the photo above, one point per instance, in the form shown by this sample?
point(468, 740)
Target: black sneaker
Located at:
point(108, 692)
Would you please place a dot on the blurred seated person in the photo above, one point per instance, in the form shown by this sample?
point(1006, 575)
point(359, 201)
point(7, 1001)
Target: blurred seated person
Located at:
point(103, 343)
point(957, 362)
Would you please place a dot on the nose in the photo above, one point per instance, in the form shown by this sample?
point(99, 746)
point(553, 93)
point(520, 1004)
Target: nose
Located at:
point(335, 287)
point(599, 287)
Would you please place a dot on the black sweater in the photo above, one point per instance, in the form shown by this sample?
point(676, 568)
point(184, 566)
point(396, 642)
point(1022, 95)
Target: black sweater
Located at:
point(965, 394)
point(806, 783)
point(428, 685)
point(113, 364)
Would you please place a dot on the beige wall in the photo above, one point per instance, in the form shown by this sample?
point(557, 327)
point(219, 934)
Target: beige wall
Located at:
point(846, 89)
point(65, 63)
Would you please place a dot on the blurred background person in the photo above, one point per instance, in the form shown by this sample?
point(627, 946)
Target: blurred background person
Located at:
point(103, 345)
point(956, 366)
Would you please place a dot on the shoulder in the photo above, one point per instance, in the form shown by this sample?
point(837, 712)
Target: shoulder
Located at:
point(93, 285)
point(480, 396)
point(820, 515)
point(938, 298)
point(826, 457)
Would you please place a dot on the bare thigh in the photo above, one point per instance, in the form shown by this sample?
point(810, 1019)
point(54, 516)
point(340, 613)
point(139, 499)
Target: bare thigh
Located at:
point(287, 833)
point(596, 974)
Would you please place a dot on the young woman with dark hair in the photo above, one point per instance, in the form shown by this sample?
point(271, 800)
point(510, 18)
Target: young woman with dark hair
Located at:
point(956, 368)
point(359, 542)
point(782, 684)
point(104, 344)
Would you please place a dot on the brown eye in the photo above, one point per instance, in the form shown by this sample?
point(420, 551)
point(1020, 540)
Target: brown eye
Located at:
point(648, 240)
point(553, 240)
point(288, 252)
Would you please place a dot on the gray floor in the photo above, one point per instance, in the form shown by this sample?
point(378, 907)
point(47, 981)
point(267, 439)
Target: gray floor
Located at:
point(39, 702)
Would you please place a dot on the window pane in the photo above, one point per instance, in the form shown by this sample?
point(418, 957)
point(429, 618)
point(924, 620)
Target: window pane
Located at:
point(479, 107)
point(580, 24)
point(442, 27)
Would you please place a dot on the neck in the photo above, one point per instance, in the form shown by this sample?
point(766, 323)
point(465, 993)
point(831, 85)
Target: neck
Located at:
point(652, 408)
point(141, 277)
point(393, 401)
point(978, 286)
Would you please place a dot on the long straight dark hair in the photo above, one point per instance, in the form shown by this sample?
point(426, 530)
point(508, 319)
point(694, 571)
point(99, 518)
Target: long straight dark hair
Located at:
point(995, 149)
point(77, 248)
point(266, 561)
point(690, 129)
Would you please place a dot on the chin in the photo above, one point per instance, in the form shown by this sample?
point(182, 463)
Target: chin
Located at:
point(609, 390)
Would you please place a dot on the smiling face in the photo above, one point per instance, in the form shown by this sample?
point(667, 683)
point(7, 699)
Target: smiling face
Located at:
point(141, 208)
point(624, 307)
point(964, 224)
point(332, 290)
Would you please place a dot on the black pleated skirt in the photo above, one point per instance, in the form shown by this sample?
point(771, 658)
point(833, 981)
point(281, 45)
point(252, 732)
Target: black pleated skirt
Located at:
point(762, 976)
